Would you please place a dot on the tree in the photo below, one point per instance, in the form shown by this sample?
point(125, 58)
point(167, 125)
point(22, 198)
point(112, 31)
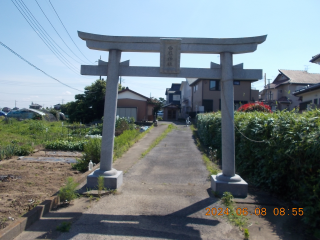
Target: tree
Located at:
point(88, 106)
point(158, 104)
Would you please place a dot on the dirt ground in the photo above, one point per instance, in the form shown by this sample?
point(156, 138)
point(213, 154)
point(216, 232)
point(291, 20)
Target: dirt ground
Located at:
point(25, 184)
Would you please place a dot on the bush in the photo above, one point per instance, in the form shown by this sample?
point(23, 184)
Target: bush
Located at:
point(65, 145)
point(252, 107)
point(24, 150)
point(286, 162)
point(68, 192)
point(92, 150)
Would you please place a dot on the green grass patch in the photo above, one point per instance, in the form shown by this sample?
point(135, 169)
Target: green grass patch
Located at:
point(158, 140)
point(122, 143)
point(208, 156)
point(64, 227)
point(236, 216)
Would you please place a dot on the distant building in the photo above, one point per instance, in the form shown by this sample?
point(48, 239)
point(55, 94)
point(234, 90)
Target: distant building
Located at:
point(57, 106)
point(133, 104)
point(35, 106)
point(279, 94)
point(6, 109)
point(171, 110)
point(309, 96)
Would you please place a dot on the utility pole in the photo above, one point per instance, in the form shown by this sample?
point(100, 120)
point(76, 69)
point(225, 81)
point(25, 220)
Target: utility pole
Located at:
point(15, 103)
point(62, 101)
point(98, 64)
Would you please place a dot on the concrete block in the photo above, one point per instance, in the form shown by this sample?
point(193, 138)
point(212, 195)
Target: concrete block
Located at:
point(13, 230)
point(237, 189)
point(110, 182)
point(33, 215)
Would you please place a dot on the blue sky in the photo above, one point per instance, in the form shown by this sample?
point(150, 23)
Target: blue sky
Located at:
point(292, 28)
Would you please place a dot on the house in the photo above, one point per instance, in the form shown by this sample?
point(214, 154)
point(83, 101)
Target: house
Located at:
point(309, 96)
point(206, 94)
point(171, 110)
point(316, 59)
point(133, 104)
point(279, 94)
point(35, 106)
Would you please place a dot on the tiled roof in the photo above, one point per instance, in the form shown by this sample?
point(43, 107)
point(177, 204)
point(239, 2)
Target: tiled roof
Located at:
point(129, 90)
point(307, 89)
point(301, 77)
point(315, 58)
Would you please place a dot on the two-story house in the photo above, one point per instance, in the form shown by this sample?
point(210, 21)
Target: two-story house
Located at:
point(171, 110)
point(279, 94)
point(206, 94)
point(309, 96)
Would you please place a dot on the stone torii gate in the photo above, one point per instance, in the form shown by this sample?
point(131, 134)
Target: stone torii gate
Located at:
point(170, 50)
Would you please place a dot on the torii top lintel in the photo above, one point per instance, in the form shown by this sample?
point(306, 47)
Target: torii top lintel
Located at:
point(188, 45)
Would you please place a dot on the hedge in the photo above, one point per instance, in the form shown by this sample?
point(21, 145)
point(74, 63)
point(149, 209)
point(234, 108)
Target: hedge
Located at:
point(286, 162)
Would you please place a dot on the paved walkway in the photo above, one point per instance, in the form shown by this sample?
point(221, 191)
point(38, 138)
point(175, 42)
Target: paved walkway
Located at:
point(164, 196)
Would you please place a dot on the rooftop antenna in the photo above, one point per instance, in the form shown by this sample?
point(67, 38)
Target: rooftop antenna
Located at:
point(306, 67)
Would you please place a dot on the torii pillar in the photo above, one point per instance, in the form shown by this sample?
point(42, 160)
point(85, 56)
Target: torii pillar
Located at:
point(170, 50)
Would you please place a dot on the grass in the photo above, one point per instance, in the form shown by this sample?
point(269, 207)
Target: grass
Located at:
point(211, 166)
point(240, 220)
point(158, 140)
point(64, 227)
point(118, 152)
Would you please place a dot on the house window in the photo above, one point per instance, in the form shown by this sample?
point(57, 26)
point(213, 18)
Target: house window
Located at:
point(214, 85)
point(176, 97)
point(315, 101)
point(236, 82)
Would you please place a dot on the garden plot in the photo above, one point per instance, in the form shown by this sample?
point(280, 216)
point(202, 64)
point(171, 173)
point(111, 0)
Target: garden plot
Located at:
point(53, 156)
point(26, 183)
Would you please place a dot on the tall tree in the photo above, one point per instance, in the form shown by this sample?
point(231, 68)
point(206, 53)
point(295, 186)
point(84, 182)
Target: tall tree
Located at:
point(88, 106)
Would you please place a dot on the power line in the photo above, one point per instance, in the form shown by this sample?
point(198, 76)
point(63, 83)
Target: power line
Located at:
point(37, 67)
point(58, 33)
point(68, 32)
point(45, 36)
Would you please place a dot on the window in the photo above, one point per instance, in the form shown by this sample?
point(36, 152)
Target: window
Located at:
point(315, 101)
point(236, 82)
point(176, 97)
point(214, 85)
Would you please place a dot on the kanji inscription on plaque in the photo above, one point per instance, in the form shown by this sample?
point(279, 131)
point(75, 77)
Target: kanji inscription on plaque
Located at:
point(170, 50)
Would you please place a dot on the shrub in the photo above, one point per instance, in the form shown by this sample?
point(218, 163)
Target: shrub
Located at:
point(252, 107)
point(92, 150)
point(24, 150)
point(65, 145)
point(68, 192)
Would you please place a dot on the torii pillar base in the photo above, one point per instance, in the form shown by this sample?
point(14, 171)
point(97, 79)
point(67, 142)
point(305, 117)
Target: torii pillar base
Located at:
point(235, 185)
point(113, 179)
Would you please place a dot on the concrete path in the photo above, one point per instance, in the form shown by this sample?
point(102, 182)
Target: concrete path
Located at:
point(164, 195)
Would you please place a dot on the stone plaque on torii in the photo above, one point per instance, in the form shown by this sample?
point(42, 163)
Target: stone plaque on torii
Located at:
point(170, 50)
